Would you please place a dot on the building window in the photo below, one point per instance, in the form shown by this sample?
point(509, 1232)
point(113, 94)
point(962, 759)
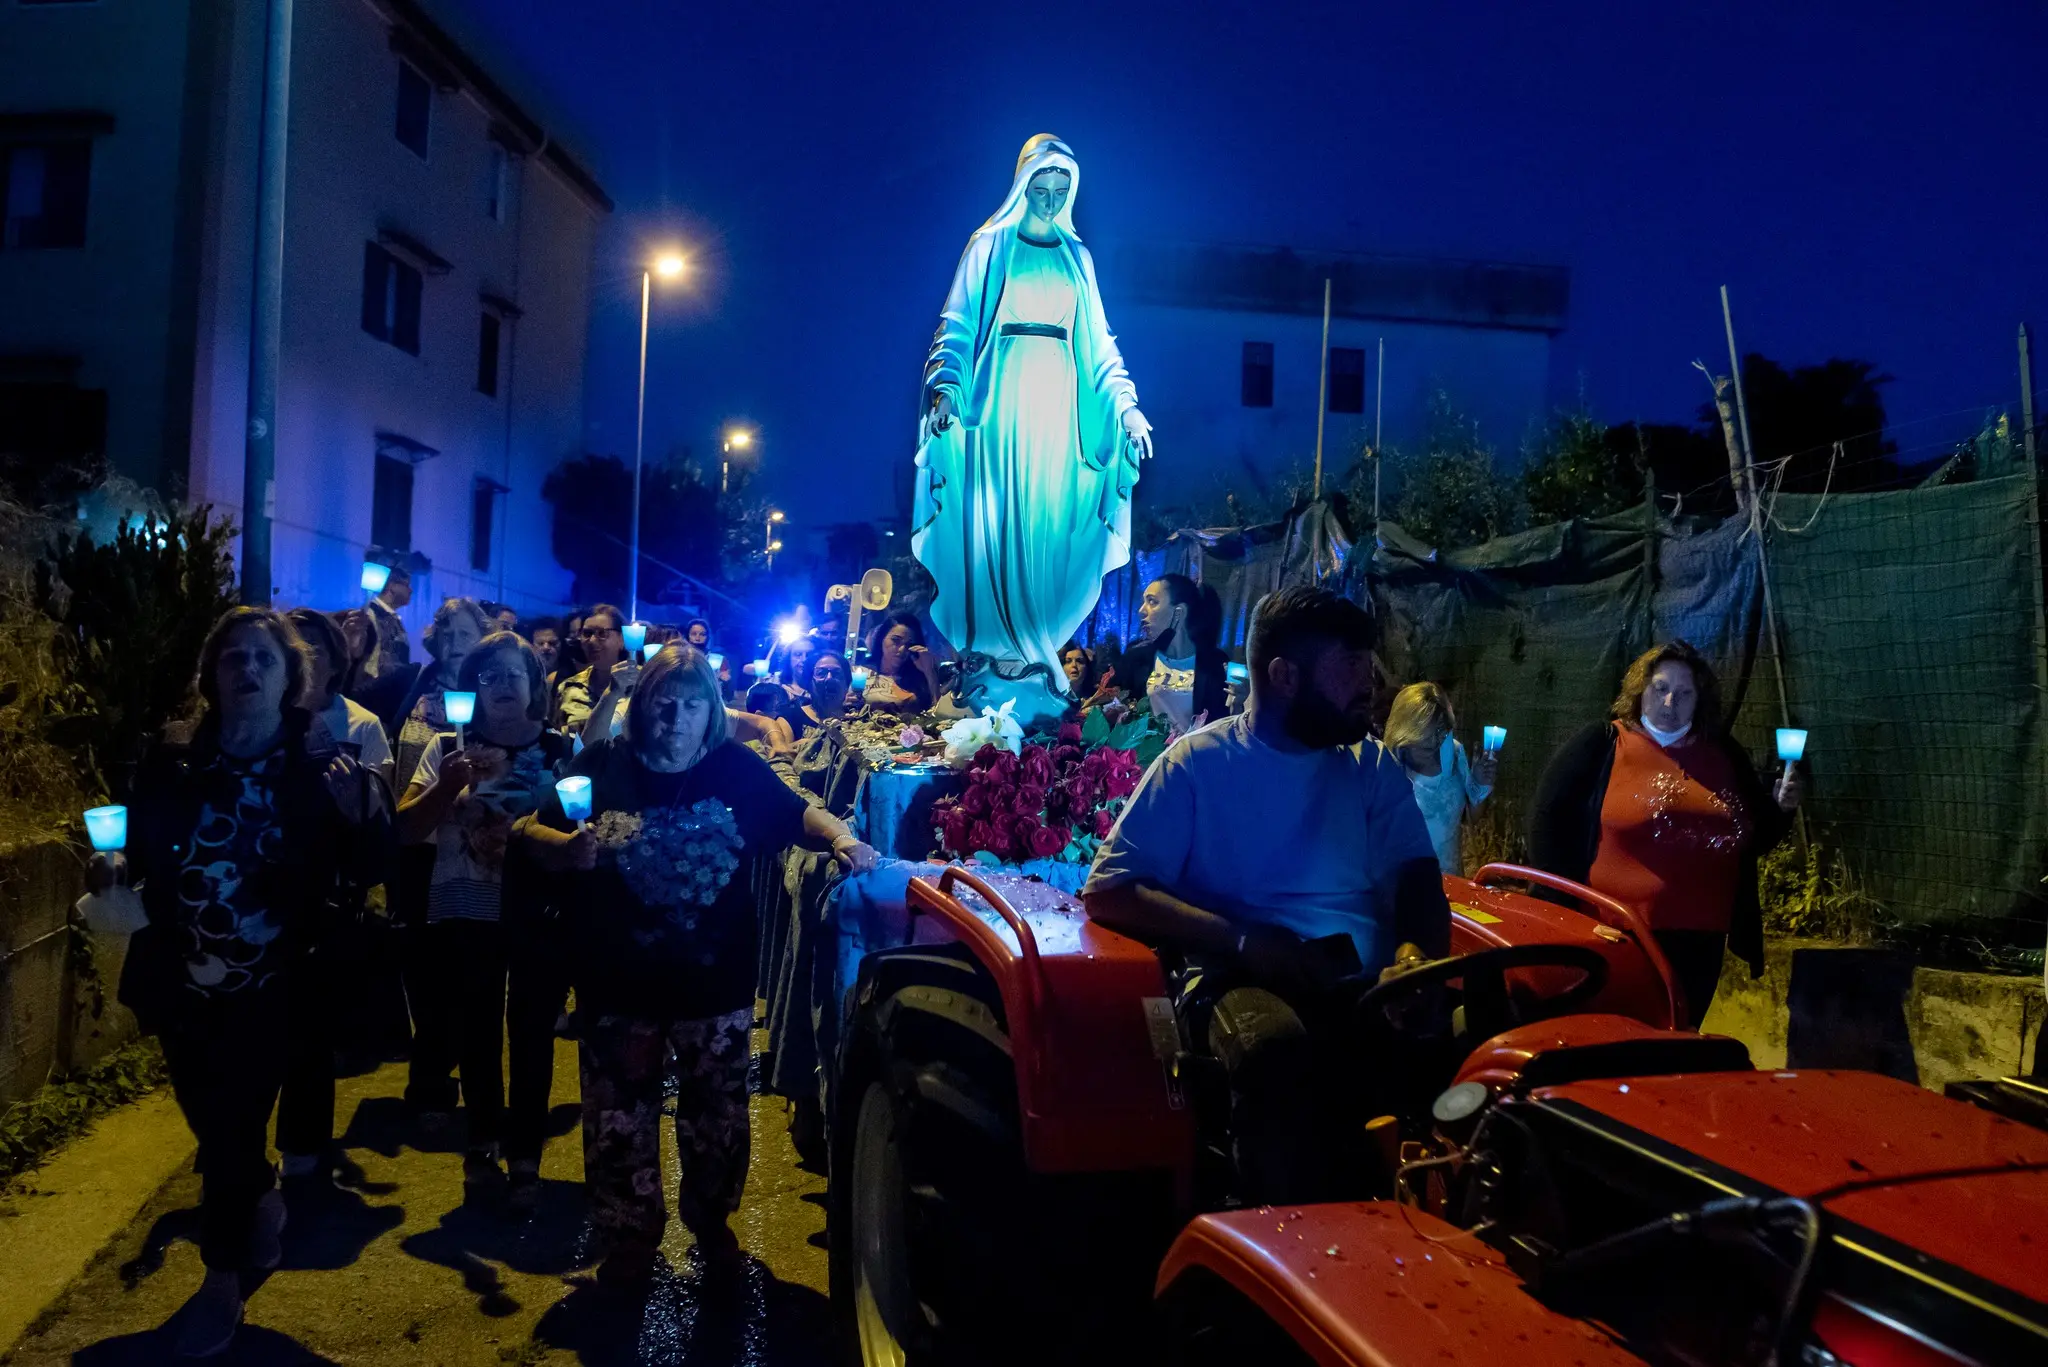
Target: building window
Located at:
point(391, 299)
point(43, 189)
point(415, 108)
point(1256, 386)
point(1347, 380)
point(488, 331)
point(391, 504)
point(497, 183)
point(483, 511)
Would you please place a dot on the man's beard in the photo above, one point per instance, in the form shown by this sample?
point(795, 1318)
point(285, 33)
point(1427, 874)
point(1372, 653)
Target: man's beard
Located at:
point(1320, 724)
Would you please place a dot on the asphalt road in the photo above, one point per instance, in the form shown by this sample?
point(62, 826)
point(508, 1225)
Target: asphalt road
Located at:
point(400, 1270)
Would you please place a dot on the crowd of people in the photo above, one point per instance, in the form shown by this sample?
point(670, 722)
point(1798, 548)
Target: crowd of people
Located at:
point(333, 864)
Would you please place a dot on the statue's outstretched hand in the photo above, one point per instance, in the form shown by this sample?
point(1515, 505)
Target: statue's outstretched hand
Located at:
point(942, 412)
point(1139, 431)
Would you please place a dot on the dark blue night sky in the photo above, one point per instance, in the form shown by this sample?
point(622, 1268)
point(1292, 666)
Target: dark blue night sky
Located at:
point(1865, 177)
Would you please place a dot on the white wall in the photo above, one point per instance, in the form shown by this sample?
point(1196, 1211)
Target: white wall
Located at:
point(349, 177)
point(1187, 362)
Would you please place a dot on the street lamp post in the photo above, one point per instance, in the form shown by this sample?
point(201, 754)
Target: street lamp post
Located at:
point(769, 544)
point(668, 266)
point(739, 439)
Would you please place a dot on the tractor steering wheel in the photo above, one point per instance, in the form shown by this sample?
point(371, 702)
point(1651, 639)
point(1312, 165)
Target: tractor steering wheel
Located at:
point(1489, 1009)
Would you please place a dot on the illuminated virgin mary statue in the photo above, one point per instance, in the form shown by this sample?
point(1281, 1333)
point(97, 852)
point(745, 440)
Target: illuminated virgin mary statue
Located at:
point(1031, 438)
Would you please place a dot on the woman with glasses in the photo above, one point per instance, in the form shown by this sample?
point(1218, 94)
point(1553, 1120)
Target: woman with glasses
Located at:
point(602, 636)
point(462, 802)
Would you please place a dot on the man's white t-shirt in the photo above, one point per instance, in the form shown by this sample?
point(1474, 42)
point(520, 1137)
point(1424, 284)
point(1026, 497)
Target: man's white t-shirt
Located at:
point(1312, 841)
point(351, 723)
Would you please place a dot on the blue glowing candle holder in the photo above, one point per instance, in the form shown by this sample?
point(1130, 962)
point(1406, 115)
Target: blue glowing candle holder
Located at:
point(107, 828)
point(574, 792)
point(1791, 744)
point(636, 636)
point(1492, 738)
point(375, 577)
point(1237, 674)
point(650, 650)
point(860, 678)
point(459, 707)
point(717, 661)
point(758, 669)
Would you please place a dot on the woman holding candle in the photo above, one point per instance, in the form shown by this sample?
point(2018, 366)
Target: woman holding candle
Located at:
point(459, 623)
point(1447, 785)
point(1659, 808)
point(661, 943)
point(603, 639)
point(244, 825)
point(463, 802)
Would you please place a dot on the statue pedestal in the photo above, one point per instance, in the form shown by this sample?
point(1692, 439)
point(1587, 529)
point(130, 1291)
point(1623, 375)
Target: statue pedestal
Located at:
point(1040, 697)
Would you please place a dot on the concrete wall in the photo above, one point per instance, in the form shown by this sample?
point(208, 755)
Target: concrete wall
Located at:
point(1186, 363)
point(1823, 1006)
point(47, 1020)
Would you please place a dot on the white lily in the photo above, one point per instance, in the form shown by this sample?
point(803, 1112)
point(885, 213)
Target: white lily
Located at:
point(995, 726)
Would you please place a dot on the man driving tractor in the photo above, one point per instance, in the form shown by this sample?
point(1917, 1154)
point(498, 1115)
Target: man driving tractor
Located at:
point(1279, 854)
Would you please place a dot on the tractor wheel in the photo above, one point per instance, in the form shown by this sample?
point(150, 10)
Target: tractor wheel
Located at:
point(887, 1317)
point(947, 1250)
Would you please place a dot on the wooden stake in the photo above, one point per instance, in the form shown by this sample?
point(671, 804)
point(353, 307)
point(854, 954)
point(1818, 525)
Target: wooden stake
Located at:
point(1323, 388)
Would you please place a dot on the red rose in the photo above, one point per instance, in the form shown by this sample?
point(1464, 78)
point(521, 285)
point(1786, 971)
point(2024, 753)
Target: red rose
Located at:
point(981, 835)
point(1105, 821)
point(1003, 767)
point(1028, 800)
point(1048, 841)
point(953, 829)
point(1036, 765)
point(1070, 733)
point(984, 757)
point(974, 801)
point(1066, 755)
point(1025, 830)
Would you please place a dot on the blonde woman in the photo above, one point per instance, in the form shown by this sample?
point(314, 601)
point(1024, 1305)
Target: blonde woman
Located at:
point(1446, 783)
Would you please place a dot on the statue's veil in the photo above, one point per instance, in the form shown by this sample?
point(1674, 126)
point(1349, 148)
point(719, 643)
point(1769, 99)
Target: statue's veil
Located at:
point(1043, 151)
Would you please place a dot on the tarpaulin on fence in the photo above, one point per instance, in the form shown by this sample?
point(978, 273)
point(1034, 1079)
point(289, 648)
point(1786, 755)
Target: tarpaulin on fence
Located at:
point(1912, 644)
point(1912, 631)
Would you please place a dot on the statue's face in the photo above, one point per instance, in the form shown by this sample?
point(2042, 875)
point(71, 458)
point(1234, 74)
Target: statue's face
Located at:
point(1047, 194)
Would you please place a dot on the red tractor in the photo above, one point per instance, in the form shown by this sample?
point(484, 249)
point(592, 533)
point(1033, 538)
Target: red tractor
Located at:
point(1029, 1162)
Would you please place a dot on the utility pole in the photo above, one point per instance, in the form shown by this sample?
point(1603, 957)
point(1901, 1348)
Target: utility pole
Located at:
point(2027, 393)
point(1323, 387)
point(1379, 450)
point(266, 311)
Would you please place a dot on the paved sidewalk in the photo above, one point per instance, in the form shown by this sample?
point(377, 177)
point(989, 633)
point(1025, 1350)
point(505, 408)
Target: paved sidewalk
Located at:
point(401, 1271)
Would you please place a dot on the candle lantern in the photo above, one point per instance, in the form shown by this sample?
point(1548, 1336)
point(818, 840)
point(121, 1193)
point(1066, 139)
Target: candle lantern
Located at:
point(107, 828)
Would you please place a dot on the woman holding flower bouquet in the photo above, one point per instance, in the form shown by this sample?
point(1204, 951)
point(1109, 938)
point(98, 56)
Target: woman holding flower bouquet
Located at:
point(659, 920)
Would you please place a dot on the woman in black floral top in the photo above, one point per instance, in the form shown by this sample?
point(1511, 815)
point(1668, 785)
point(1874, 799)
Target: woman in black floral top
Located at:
point(243, 830)
point(658, 912)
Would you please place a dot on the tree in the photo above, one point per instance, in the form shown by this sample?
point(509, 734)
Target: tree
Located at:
point(1801, 412)
point(684, 524)
point(1448, 493)
point(1580, 467)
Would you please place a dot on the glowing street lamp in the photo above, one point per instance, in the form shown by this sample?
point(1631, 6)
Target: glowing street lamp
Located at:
point(738, 439)
point(669, 266)
point(771, 545)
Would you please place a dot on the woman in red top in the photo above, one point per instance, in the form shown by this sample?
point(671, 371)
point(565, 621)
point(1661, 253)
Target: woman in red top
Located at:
point(1661, 809)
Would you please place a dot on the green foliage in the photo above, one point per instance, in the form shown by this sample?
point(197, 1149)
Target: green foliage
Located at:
point(1810, 893)
point(1448, 493)
point(1579, 467)
point(40, 791)
point(33, 1128)
point(130, 616)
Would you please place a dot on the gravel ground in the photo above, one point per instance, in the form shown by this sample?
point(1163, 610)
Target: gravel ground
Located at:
point(400, 1270)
